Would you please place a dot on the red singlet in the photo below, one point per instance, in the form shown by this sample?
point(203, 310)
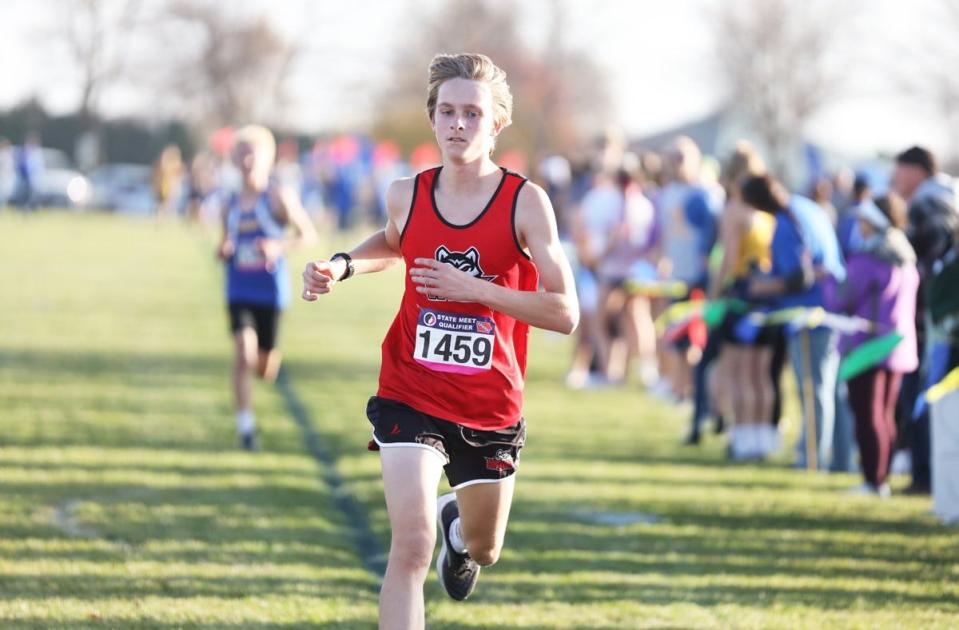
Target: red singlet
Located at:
point(460, 361)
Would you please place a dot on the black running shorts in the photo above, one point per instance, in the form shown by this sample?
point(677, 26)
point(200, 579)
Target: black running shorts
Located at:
point(470, 456)
point(265, 320)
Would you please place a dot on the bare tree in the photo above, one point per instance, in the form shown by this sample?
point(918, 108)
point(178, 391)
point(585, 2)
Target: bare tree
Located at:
point(559, 93)
point(927, 73)
point(97, 34)
point(226, 68)
point(948, 85)
point(772, 58)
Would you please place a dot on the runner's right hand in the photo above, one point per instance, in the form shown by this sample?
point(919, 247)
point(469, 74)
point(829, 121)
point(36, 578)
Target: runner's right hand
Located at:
point(226, 250)
point(319, 276)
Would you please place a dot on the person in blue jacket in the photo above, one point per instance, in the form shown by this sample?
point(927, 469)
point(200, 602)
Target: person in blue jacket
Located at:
point(805, 256)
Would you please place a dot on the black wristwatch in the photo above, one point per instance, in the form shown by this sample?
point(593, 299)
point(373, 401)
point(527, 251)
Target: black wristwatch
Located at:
point(349, 265)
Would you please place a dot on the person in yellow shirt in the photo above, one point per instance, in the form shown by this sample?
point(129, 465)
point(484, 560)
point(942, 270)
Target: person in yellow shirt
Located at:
point(743, 389)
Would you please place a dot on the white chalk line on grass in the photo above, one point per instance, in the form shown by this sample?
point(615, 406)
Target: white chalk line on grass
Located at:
point(64, 517)
point(616, 519)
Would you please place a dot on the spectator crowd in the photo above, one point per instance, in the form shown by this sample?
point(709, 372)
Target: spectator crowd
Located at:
point(703, 280)
point(699, 278)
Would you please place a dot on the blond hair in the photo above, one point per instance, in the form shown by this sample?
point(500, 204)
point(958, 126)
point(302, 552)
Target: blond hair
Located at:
point(262, 141)
point(474, 67)
point(743, 162)
point(685, 159)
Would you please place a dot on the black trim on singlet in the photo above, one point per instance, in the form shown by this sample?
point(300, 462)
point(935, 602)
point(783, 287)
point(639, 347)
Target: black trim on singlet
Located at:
point(512, 217)
point(409, 217)
point(489, 204)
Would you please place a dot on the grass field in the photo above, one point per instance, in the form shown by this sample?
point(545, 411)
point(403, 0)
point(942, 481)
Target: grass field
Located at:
point(125, 504)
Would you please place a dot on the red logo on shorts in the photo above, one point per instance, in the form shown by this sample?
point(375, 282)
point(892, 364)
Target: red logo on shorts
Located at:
point(396, 430)
point(502, 462)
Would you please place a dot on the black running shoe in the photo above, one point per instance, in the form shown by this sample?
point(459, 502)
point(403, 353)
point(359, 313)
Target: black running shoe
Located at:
point(248, 442)
point(457, 571)
point(691, 439)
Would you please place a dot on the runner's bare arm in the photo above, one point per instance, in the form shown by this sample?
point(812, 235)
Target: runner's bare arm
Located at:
point(731, 224)
point(294, 214)
point(226, 247)
point(379, 251)
point(553, 308)
point(802, 279)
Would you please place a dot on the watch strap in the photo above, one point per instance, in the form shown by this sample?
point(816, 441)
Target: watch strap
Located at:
point(350, 269)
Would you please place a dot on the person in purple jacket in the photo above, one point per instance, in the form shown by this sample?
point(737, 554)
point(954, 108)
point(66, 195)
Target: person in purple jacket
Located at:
point(881, 286)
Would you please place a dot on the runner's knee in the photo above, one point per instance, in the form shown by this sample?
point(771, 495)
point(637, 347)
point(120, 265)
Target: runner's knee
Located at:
point(246, 354)
point(412, 552)
point(484, 553)
point(243, 360)
point(268, 365)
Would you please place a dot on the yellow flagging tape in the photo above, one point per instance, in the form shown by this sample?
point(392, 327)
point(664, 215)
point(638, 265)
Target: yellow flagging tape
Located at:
point(943, 387)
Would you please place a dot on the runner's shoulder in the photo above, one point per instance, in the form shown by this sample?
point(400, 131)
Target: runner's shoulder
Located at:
point(532, 203)
point(281, 197)
point(399, 196)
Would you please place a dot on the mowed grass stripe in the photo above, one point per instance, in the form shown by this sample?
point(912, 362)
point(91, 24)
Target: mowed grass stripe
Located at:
point(618, 451)
point(367, 544)
point(123, 500)
point(727, 546)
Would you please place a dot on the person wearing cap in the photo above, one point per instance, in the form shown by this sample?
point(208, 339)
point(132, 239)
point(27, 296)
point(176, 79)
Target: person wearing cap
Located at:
point(933, 231)
point(881, 285)
point(847, 230)
point(850, 239)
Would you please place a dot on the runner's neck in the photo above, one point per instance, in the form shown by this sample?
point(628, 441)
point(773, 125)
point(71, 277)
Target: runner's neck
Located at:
point(467, 179)
point(250, 193)
point(254, 185)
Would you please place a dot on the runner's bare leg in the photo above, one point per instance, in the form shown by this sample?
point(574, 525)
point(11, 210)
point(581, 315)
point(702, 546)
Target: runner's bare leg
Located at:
point(268, 364)
point(410, 478)
point(244, 359)
point(484, 512)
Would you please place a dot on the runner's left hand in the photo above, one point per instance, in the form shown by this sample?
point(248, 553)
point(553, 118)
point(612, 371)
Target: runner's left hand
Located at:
point(440, 279)
point(226, 250)
point(271, 249)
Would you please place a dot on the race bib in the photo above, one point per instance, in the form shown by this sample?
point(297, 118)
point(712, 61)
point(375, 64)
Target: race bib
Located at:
point(451, 342)
point(248, 257)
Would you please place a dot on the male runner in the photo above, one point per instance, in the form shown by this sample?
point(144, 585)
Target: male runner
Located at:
point(254, 247)
point(477, 241)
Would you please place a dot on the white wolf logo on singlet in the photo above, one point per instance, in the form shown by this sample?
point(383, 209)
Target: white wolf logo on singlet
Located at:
point(468, 261)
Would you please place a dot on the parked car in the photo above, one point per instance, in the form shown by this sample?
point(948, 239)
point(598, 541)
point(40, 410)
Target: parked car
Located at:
point(123, 187)
point(59, 184)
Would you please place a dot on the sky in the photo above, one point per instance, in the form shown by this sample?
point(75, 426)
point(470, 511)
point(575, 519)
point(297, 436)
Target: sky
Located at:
point(657, 55)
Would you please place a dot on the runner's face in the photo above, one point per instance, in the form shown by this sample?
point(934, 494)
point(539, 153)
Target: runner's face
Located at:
point(244, 157)
point(463, 120)
point(253, 166)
